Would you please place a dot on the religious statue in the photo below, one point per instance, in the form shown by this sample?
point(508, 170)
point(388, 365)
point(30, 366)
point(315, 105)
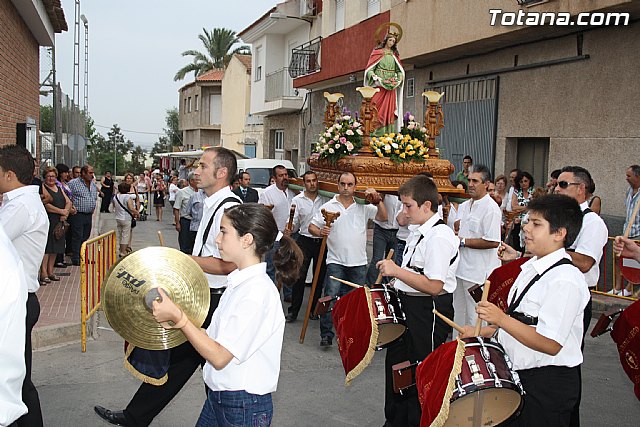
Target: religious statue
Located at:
point(385, 71)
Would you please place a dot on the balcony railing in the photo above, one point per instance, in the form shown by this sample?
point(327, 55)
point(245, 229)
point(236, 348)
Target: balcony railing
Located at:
point(278, 85)
point(305, 59)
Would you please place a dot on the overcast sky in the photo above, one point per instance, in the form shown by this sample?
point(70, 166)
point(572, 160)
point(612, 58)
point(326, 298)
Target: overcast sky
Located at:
point(134, 52)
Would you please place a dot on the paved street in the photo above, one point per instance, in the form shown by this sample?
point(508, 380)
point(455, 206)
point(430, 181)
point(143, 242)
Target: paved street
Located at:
point(311, 390)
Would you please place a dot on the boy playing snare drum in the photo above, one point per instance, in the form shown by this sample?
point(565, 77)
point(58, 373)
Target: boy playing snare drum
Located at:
point(543, 331)
point(425, 279)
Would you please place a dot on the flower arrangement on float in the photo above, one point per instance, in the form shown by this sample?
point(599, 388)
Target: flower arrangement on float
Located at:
point(341, 139)
point(407, 145)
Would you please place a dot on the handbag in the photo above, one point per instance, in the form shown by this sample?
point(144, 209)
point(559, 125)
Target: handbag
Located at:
point(133, 220)
point(60, 230)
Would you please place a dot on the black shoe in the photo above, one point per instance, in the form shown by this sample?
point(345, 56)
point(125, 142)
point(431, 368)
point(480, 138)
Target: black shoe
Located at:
point(326, 342)
point(113, 417)
point(290, 318)
point(76, 263)
point(60, 265)
point(313, 317)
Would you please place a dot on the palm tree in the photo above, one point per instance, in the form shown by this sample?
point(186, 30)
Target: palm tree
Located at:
point(217, 43)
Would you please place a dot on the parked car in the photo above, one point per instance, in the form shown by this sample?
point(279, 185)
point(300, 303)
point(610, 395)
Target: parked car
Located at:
point(260, 170)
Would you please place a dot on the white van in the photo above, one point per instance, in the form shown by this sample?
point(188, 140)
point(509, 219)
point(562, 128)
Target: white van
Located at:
point(260, 170)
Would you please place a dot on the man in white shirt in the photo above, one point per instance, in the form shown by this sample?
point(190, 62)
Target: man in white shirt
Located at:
point(26, 223)
point(512, 179)
point(384, 236)
point(182, 217)
point(346, 242)
point(279, 196)
point(425, 280)
point(216, 169)
point(479, 235)
point(13, 311)
point(307, 204)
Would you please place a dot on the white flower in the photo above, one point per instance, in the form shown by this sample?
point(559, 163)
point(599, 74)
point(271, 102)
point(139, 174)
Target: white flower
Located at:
point(335, 137)
point(349, 146)
point(336, 146)
point(387, 147)
point(349, 132)
point(326, 146)
point(359, 132)
point(410, 126)
point(331, 151)
point(327, 134)
point(357, 124)
point(346, 117)
point(423, 129)
point(411, 118)
point(394, 145)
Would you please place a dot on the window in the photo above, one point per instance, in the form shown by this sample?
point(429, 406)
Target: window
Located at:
point(189, 105)
point(411, 88)
point(258, 64)
point(339, 15)
point(215, 109)
point(373, 8)
point(196, 102)
point(185, 106)
point(278, 143)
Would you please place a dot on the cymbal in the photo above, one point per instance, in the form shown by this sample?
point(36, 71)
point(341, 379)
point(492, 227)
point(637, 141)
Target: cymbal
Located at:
point(136, 277)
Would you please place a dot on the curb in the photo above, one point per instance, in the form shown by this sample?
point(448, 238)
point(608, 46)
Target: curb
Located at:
point(55, 336)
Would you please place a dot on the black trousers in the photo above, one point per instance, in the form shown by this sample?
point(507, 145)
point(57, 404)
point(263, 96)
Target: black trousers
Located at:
point(311, 250)
point(150, 400)
point(80, 232)
point(551, 393)
point(424, 333)
point(186, 238)
point(29, 393)
point(586, 321)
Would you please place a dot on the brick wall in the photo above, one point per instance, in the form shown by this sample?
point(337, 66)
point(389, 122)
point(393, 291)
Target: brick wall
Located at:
point(19, 73)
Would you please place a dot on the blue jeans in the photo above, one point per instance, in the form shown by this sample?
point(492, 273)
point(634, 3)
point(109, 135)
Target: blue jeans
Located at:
point(400, 245)
point(334, 288)
point(383, 241)
point(236, 409)
point(80, 232)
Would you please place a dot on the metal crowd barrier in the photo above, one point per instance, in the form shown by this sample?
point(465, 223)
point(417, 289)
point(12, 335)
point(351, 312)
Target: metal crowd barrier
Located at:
point(97, 256)
point(603, 286)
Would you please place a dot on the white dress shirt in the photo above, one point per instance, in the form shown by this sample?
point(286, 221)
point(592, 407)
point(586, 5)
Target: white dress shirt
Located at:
point(27, 225)
point(210, 248)
point(249, 323)
point(433, 254)
point(306, 209)
point(479, 219)
point(391, 203)
point(281, 201)
point(346, 244)
point(13, 312)
point(558, 300)
point(590, 241)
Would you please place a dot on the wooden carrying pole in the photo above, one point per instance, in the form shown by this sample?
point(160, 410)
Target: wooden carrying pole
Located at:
point(329, 217)
point(485, 295)
point(161, 238)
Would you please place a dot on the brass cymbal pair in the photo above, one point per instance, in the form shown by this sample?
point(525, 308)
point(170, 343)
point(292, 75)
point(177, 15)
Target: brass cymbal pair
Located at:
point(131, 288)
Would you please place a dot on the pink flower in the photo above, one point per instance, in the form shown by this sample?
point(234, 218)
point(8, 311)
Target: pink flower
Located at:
point(343, 139)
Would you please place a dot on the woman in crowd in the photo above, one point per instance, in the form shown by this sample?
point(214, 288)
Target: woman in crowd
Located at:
point(57, 210)
point(595, 203)
point(173, 189)
point(501, 190)
point(243, 343)
point(159, 195)
point(124, 208)
point(519, 200)
point(64, 176)
point(106, 188)
point(130, 179)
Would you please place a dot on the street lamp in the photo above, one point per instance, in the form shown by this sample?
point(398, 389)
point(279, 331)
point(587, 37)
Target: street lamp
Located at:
point(279, 15)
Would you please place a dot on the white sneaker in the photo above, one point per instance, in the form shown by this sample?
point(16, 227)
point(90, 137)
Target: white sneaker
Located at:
point(625, 293)
point(614, 292)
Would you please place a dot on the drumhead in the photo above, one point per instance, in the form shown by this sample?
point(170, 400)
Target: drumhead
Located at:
point(493, 405)
point(388, 333)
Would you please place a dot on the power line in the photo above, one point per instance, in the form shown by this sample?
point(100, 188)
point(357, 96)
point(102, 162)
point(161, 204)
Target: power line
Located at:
point(128, 130)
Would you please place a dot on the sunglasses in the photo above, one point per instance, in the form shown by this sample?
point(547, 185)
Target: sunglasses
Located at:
point(565, 184)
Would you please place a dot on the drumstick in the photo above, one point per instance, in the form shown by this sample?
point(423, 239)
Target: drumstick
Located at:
point(485, 295)
point(448, 321)
point(389, 256)
point(161, 238)
point(632, 220)
point(346, 282)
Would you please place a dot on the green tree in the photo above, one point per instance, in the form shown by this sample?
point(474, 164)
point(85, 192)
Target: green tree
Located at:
point(173, 133)
point(46, 118)
point(217, 44)
point(162, 146)
point(101, 151)
point(138, 156)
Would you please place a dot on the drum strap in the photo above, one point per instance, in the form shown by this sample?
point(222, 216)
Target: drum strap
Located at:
point(418, 269)
point(584, 213)
point(516, 300)
point(205, 235)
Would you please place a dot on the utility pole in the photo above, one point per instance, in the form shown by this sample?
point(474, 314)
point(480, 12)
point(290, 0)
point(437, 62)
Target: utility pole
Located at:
point(76, 85)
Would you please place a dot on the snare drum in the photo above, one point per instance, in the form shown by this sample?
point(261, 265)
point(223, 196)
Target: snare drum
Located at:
point(488, 391)
point(388, 314)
